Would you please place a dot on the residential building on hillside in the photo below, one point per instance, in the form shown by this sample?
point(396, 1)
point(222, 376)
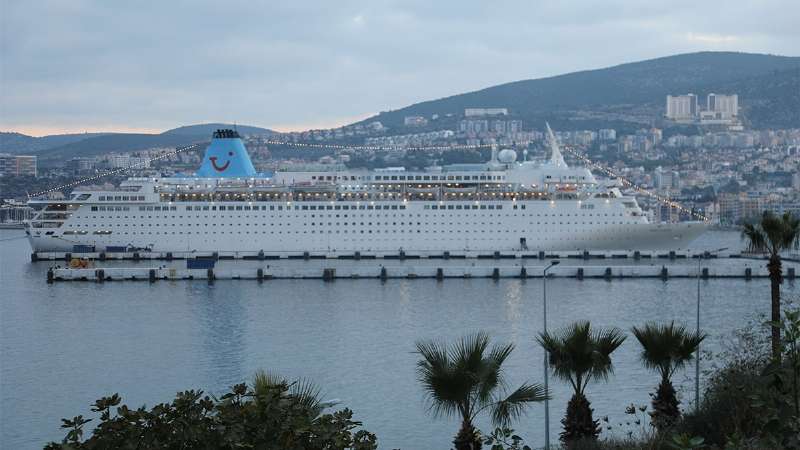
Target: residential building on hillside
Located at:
point(16, 165)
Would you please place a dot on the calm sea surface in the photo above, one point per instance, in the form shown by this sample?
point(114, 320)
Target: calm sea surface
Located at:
point(65, 345)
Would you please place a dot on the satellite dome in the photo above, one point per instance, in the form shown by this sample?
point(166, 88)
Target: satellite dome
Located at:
point(507, 156)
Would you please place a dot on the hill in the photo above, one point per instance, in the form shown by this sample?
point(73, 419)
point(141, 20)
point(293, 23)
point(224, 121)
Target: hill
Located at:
point(57, 148)
point(634, 91)
point(206, 129)
point(22, 143)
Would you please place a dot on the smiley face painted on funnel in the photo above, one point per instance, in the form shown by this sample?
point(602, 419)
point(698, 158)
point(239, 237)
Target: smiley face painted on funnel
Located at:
point(218, 167)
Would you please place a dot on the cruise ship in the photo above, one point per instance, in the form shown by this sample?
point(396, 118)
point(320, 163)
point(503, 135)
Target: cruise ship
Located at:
point(504, 205)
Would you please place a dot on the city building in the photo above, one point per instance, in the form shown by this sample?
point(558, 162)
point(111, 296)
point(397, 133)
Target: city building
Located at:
point(682, 107)
point(16, 165)
point(723, 106)
point(477, 112)
point(415, 121)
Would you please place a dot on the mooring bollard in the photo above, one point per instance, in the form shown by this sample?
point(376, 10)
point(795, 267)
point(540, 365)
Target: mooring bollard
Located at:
point(607, 274)
point(260, 275)
point(402, 254)
point(580, 273)
point(50, 276)
point(496, 274)
point(440, 274)
point(169, 256)
point(34, 257)
point(384, 274)
point(151, 275)
point(67, 256)
point(496, 255)
point(102, 256)
point(541, 255)
point(261, 255)
point(523, 273)
point(136, 256)
point(100, 274)
point(210, 276)
point(637, 255)
point(357, 256)
point(664, 273)
point(705, 273)
point(672, 254)
point(306, 256)
point(328, 274)
point(748, 274)
point(585, 254)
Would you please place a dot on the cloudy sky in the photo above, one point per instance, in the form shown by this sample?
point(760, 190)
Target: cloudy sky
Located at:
point(81, 65)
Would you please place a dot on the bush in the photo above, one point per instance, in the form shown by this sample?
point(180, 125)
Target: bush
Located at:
point(273, 414)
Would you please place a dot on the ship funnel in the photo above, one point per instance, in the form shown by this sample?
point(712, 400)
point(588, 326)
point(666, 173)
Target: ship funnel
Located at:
point(226, 157)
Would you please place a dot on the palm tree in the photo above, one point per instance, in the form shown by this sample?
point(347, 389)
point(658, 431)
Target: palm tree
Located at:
point(773, 235)
point(665, 349)
point(463, 380)
point(579, 355)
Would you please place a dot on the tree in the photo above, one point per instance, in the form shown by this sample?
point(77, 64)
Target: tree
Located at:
point(274, 414)
point(463, 380)
point(665, 349)
point(578, 354)
point(773, 235)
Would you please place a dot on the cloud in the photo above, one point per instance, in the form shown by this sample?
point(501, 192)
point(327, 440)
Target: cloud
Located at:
point(79, 64)
point(712, 38)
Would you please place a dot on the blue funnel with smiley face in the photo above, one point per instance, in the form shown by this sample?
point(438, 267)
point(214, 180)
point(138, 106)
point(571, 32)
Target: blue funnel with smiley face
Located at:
point(226, 157)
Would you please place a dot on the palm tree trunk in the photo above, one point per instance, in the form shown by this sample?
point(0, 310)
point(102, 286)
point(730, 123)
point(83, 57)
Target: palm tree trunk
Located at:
point(775, 277)
point(579, 425)
point(665, 406)
point(467, 438)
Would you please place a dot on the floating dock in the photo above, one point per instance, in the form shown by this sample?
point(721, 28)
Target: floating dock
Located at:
point(406, 271)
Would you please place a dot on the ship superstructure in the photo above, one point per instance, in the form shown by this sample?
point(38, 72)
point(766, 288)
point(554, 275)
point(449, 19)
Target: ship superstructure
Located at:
point(502, 205)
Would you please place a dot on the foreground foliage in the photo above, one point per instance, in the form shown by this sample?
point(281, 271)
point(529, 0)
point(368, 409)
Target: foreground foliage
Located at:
point(274, 414)
point(773, 235)
point(579, 354)
point(665, 349)
point(465, 378)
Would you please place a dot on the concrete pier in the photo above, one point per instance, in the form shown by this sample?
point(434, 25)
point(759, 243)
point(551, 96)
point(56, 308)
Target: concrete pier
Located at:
point(410, 271)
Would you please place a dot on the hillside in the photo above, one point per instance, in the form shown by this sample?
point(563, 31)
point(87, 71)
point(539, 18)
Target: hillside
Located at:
point(762, 81)
point(56, 148)
point(21, 143)
point(206, 129)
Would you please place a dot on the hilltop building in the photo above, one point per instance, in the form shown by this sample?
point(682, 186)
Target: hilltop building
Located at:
point(415, 121)
point(682, 107)
point(477, 112)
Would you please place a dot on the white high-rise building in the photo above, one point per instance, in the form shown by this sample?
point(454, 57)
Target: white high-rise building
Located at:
point(724, 106)
point(681, 107)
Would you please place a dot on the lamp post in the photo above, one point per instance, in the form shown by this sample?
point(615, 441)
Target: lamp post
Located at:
point(700, 259)
point(546, 362)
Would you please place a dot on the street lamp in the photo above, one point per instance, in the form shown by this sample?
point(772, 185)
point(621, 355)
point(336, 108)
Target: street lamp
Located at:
point(700, 259)
point(546, 362)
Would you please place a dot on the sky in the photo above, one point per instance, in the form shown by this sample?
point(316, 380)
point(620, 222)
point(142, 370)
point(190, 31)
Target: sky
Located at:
point(81, 65)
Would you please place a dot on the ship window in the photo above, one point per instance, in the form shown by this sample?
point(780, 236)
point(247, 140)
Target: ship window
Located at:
point(94, 208)
point(188, 208)
point(459, 207)
point(102, 198)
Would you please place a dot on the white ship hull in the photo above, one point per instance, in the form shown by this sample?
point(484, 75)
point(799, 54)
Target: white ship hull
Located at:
point(416, 229)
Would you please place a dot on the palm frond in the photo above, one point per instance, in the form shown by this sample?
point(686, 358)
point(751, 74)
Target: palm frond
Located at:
point(579, 354)
point(264, 382)
point(513, 406)
point(666, 347)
